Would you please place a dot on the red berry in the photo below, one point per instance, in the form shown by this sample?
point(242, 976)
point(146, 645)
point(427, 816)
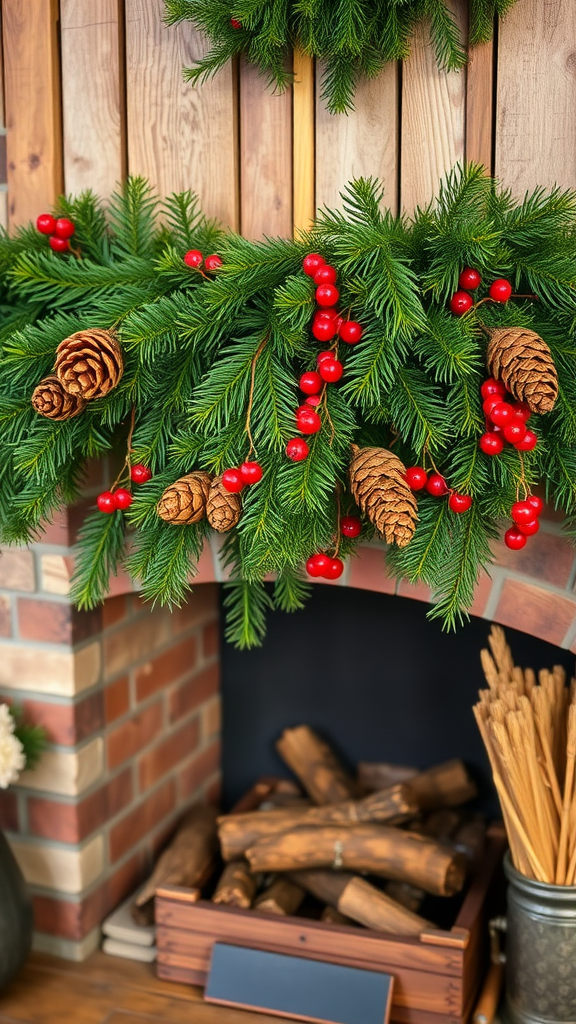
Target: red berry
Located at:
point(459, 502)
point(297, 450)
point(436, 485)
point(331, 370)
point(501, 413)
point(251, 472)
point(523, 410)
point(528, 442)
point(351, 332)
point(213, 262)
point(325, 274)
point(350, 526)
point(106, 502)
point(58, 244)
point(490, 403)
point(308, 421)
point(529, 529)
point(46, 224)
point(491, 444)
point(522, 512)
point(535, 503)
point(327, 295)
point(232, 480)
point(313, 400)
point(193, 258)
point(310, 383)
point(123, 498)
point(492, 387)
point(514, 538)
point(312, 262)
point(460, 303)
point(317, 564)
point(416, 477)
point(324, 355)
point(500, 290)
point(235, 23)
point(140, 474)
point(324, 327)
point(515, 431)
point(329, 312)
point(334, 569)
point(469, 278)
point(64, 228)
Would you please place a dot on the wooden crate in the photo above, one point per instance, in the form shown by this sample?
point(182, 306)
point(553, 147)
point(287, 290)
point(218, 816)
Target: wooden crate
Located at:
point(437, 976)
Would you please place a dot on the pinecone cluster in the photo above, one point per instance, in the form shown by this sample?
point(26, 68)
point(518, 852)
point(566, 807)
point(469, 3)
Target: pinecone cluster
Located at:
point(379, 487)
point(523, 362)
point(89, 364)
point(197, 496)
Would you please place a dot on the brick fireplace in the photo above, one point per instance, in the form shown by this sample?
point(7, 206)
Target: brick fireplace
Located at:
point(130, 699)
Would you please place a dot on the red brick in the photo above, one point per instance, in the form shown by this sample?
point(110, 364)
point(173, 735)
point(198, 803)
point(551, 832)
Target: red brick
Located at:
point(166, 668)
point(17, 569)
point(135, 640)
point(206, 570)
point(9, 811)
point(214, 793)
point(72, 823)
point(57, 531)
point(132, 736)
point(419, 591)
point(546, 557)
point(481, 595)
point(368, 571)
point(5, 616)
point(117, 699)
point(193, 692)
point(212, 718)
point(114, 610)
point(201, 605)
point(166, 755)
point(199, 771)
point(56, 621)
point(67, 724)
point(142, 820)
point(535, 611)
point(211, 639)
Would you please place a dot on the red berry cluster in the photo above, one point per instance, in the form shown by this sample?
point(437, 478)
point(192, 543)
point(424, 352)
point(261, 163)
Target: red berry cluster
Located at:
point(525, 518)
point(505, 420)
point(235, 479)
point(120, 499)
point(469, 280)
point(235, 23)
point(194, 258)
point(59, 230)
point(418, 479)
point(322, 565)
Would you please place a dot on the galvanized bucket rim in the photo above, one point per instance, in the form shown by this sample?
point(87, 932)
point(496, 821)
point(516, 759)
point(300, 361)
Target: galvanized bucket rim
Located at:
point(546, 890)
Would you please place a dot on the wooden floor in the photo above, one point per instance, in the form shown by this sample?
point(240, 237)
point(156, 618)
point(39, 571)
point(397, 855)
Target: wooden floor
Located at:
point(107, 990)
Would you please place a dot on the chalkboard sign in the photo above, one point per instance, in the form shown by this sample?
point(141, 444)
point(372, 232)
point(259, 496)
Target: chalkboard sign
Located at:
point(291, 986)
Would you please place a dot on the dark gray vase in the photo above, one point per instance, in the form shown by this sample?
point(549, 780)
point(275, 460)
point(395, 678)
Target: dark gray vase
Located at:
point(16, 918)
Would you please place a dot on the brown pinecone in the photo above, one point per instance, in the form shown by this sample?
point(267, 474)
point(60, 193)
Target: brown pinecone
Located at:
point(49, 399)
point(89, 363)
point(185, 500)
point(223, 508)
point(380, 490)
point(523, 362)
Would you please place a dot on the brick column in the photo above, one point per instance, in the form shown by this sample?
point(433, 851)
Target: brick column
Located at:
point(129, 698)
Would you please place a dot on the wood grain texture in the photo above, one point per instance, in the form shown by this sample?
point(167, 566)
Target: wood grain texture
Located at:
point(265, 157)
point(304, 131)
point(536, 97)
point(32, 98)
point(433, 118)
point(480, 105)
point(363, 142)
point(179, 136)
point(94, 150)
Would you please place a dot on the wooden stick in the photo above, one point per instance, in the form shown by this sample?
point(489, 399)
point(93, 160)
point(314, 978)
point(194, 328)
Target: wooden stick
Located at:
point(188, 857)
point(373, 776)
point(283, 897)
point(332, 916)
point(237, 886)
point(360, 901)
point(561, 866)
point(490, 995)
point(316, 765)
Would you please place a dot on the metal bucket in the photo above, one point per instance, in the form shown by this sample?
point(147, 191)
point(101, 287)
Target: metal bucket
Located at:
point(540, 951)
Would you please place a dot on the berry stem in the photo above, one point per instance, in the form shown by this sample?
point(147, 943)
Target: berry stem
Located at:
point(127, 464)
point(338, 518)
point(247, 430)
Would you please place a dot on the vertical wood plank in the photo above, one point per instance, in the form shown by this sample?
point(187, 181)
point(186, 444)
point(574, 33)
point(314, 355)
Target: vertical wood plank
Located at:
point(265, 157)
point(92, 109)
point(362, 143)
point(480, 105)
point(303, 159)
point(433, 118)
point(32, 98)
point(536, 96)
point(179, 136)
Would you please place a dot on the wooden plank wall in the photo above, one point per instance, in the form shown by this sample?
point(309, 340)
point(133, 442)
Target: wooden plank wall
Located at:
point(93, 90)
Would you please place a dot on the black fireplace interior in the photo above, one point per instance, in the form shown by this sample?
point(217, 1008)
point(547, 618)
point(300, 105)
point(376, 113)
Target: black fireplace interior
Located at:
point(370, 673)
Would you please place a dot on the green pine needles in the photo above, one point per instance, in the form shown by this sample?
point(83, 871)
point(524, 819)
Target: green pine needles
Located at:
point(202, 347)
point(353, 38)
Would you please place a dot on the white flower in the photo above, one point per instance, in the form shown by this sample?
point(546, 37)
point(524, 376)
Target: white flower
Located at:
point(7, 723)
point(12, 757)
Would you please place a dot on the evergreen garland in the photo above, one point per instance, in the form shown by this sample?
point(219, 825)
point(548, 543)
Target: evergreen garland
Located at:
point(353, 38)
point(212, 359)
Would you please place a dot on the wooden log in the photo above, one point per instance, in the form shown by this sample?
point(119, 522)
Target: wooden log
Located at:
point(282, 897)
point(189, 857)
point(375, 849)
point(360, 901)
point(409, 896)
point(470, 840)
point(316, 765)
point(332, 916)
point(236, 886)
point(374, 775)
point(445, 785)
point(238, 832)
